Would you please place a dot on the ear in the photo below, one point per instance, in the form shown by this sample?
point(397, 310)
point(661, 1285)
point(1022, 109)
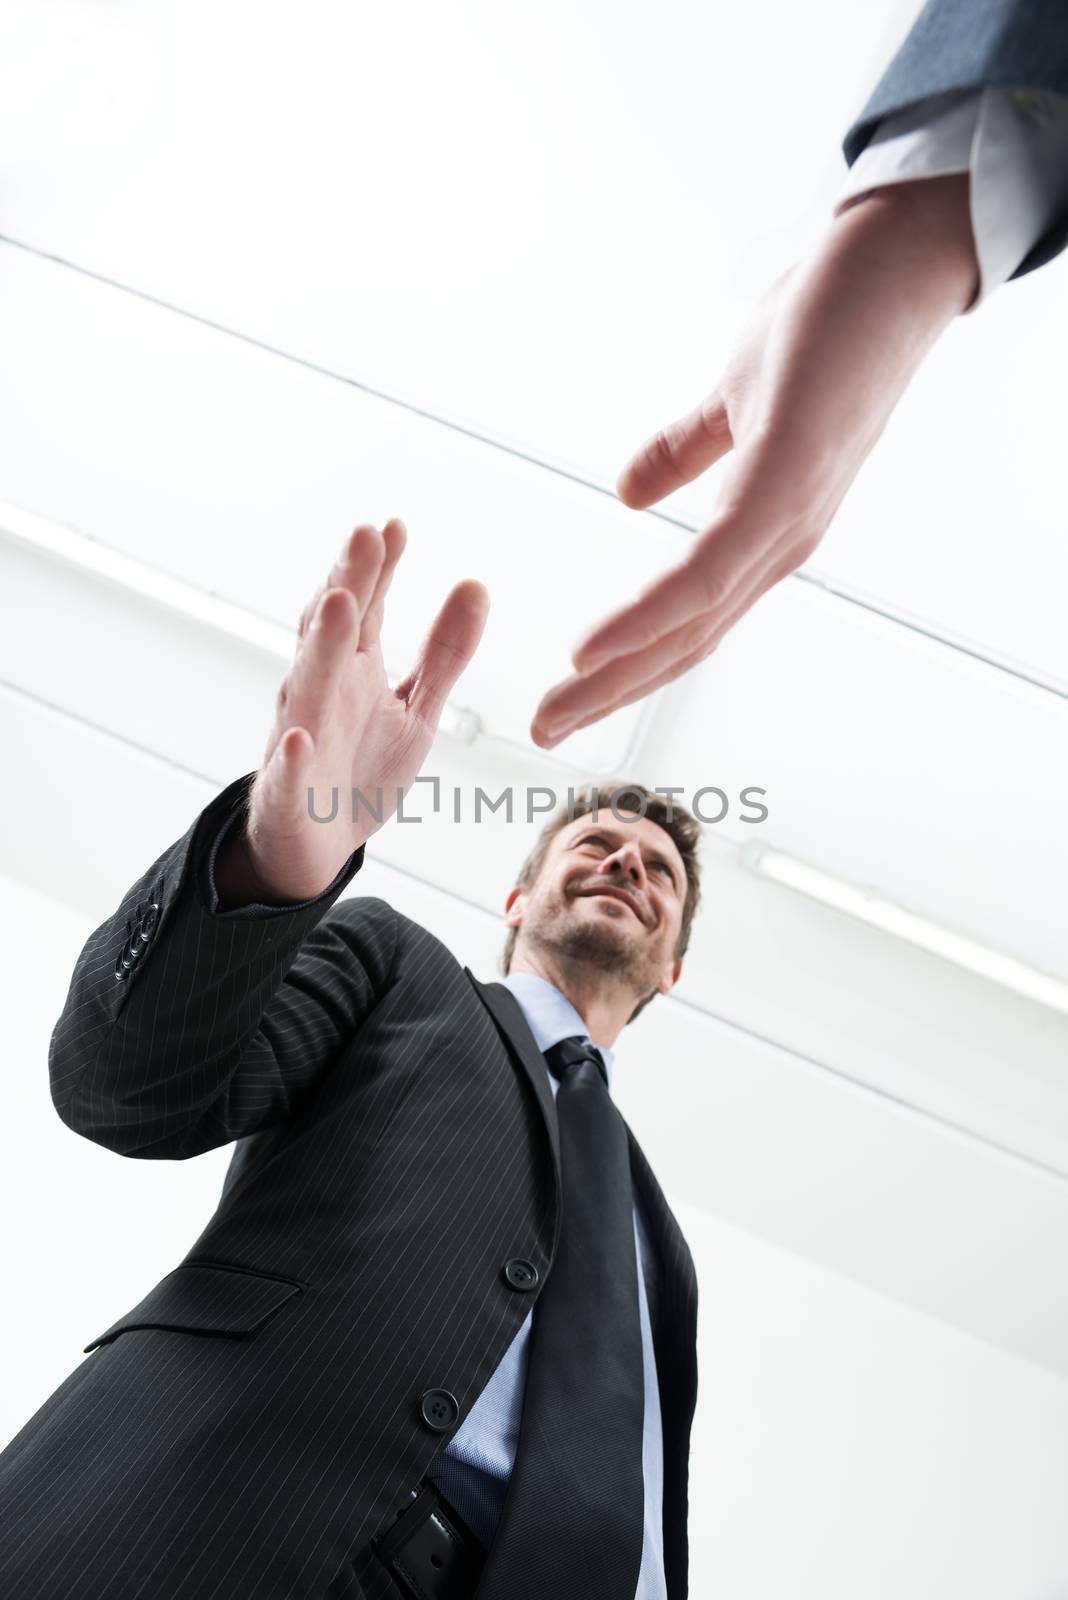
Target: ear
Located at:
point(515, 906)
point(667, 983)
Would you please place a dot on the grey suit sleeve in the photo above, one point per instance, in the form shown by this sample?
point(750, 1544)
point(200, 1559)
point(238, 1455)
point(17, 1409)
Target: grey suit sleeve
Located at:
point(1014, 145)
point(220, 1026)
point(959, 45)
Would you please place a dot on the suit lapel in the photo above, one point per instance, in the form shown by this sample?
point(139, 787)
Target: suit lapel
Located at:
point(675, 1347)
point(506, 1012)
point(679, 1279)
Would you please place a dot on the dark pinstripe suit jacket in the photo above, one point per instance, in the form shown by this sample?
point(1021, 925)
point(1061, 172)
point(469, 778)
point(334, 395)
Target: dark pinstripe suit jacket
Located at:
point(249, 1427)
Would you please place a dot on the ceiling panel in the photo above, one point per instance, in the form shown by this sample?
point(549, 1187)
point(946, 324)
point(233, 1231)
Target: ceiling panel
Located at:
point(546, 226)
point(439, 199)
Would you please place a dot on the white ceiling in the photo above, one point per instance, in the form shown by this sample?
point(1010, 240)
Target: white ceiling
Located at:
point(263, 280)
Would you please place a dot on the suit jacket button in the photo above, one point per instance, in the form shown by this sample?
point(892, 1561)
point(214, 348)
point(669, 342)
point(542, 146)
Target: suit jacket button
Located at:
point(149, 920)
point(439, 1409)
point(521, 1274)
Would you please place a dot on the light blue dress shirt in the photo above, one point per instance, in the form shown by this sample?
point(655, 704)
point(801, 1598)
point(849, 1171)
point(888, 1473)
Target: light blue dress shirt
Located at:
point(472, 1471)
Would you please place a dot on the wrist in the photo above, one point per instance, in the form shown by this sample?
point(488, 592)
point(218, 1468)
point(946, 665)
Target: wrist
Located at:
point(241, 881)
point(925, 227)
point(236, 881)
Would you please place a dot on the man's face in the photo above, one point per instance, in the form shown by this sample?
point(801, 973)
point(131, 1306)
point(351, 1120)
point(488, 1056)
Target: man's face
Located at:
point(610, 896)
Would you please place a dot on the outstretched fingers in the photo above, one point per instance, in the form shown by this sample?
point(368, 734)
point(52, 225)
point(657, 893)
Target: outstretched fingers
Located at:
point(587, 697)
point(451, 642)
point(311, 685)
point(705, 583)
point(356, 567)
point(305, 698)
point(394, 539)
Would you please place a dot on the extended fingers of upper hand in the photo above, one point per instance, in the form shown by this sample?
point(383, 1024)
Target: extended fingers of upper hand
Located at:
point(357, 567)
point(632, 676)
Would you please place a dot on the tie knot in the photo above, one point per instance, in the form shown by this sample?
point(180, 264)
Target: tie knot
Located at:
point(572, 1053)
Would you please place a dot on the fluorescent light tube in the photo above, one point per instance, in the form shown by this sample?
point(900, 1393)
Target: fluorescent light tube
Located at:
point(162, 588)
point(878, 912)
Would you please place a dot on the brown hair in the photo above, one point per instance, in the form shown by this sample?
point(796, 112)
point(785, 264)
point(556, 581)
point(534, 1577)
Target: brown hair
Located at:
point(615, 795)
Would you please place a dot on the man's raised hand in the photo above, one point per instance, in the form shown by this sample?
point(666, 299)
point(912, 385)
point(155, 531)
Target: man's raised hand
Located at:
point(338, 724)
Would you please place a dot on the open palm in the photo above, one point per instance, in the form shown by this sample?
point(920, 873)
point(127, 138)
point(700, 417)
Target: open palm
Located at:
point(338, 724)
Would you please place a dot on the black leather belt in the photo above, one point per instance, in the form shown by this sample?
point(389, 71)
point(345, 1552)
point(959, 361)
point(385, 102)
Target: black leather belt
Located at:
point(430, 1550)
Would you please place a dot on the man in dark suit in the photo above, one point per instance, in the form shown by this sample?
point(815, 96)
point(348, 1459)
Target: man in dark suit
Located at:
point(961, 182)
point(439, 1335)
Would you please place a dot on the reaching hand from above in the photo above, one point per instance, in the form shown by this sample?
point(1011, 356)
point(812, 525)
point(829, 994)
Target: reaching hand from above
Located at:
point(807, 392)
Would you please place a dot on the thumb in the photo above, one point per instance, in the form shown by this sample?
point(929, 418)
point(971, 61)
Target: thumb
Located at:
point(676, 455)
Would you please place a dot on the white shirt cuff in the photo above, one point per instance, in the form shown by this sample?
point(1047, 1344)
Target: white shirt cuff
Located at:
point(1013, 142)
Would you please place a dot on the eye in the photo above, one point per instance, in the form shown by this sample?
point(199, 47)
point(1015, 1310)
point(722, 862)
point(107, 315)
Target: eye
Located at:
point(663, 867)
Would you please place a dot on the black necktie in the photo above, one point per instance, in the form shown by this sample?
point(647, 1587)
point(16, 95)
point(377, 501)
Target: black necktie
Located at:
point(573, 1517)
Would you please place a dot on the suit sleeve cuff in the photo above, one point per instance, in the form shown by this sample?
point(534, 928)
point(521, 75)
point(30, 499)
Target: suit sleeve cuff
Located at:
point(254, 909)
point(1013, 143)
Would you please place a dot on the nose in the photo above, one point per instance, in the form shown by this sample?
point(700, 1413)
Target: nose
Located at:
point(626, 862)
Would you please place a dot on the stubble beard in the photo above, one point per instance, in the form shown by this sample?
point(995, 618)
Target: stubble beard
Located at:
point(589, 946)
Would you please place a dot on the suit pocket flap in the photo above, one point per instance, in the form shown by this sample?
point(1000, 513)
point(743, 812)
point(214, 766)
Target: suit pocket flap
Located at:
point(206, 1299)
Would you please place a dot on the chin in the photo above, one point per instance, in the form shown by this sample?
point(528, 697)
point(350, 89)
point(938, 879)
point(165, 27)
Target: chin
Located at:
point(619, 923)
point(598, 941)
point(599, 906)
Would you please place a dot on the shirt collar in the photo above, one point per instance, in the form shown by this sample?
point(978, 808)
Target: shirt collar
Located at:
point(550, 1014)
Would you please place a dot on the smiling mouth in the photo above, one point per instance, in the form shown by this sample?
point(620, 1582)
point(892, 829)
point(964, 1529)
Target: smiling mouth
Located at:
point(613, 894)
